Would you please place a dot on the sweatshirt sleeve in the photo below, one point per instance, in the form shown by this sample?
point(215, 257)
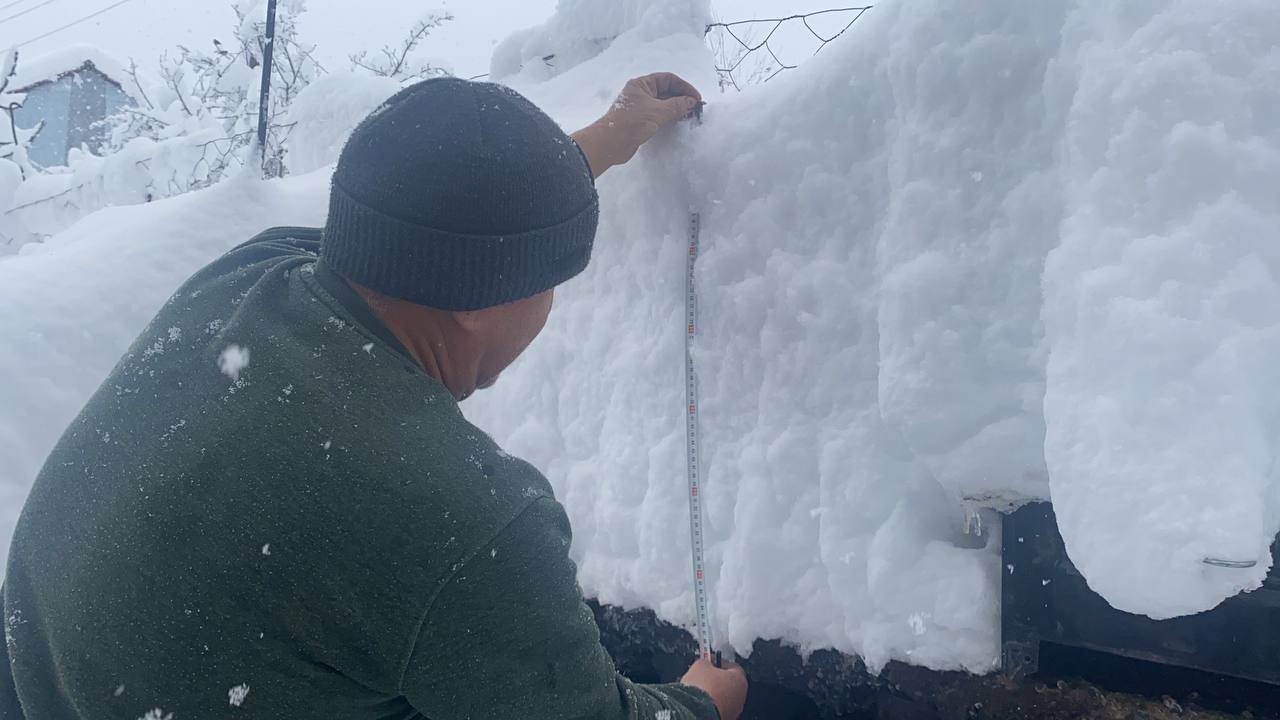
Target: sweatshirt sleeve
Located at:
point(509, 636)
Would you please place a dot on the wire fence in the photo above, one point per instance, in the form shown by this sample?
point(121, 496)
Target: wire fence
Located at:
point(749, 52)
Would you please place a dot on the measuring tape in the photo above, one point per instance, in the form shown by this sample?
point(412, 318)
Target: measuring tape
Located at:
point(695, 484)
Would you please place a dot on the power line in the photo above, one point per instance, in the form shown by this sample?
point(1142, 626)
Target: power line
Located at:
point(33, 8)
point(73, 23)
point(9, 5)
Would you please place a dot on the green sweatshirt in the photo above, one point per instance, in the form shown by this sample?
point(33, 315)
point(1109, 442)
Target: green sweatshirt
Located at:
point(316, 533)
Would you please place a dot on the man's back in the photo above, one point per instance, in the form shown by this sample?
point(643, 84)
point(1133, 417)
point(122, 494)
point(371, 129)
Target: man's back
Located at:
point(273, 507)
point(265, 537)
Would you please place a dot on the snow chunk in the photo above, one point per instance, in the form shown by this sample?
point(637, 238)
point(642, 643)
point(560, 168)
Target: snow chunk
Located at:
point(582, 29)
point(326, 112)
point(232, 360)
point(1162, 304)
point(237, 694)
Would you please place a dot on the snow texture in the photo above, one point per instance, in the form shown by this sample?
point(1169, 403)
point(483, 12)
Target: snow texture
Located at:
point(873, 344)
point(10, 180)
point(967, 253)
point(582, 29)
point(326, 111)
point(8, 62)
point(1163, 303)
point(823, 528)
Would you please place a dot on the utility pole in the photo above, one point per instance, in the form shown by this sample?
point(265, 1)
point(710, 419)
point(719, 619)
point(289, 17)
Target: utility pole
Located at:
point(264, 101)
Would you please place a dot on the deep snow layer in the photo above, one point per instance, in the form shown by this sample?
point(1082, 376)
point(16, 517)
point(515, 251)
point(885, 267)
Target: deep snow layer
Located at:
point(874, 343)
point(1162, 301)
point(969, 251)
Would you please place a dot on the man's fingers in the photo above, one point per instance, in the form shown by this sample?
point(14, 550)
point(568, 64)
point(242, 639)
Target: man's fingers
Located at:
point(681, 86)
point(648, 85)
point(670, 85)
point(676, 108)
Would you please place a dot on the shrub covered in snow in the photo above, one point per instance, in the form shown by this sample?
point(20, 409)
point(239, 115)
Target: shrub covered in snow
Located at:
point(217, 92)
point(197, 118)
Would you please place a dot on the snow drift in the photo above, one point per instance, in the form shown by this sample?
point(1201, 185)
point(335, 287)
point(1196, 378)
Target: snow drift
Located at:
point(1162, 303)
point(968, 253)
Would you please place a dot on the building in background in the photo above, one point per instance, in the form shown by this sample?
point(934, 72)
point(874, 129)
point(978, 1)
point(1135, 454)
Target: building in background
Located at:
point(65, 97)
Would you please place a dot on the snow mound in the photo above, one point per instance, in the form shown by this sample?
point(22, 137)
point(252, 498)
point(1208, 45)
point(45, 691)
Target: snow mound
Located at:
point(582, 29)
point(1162, 304)
point(969, 251)
point(325, 113)
point(873, 343)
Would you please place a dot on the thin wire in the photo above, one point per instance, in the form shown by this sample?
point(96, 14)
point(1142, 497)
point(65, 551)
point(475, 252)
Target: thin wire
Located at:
point(33, 8)
point(73, 23)
point(774, 25)
point(799, 16)
point(15, 2)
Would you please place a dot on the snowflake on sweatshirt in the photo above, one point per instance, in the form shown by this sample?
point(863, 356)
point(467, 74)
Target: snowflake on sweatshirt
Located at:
point(11, 623)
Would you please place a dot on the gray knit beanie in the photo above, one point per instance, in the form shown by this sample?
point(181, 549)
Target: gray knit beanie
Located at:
point(460, 196)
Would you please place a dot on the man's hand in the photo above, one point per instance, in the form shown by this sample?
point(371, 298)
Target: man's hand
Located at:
point(646, 105)
point(726, 685)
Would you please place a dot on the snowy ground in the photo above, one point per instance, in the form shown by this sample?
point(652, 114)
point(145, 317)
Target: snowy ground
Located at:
point(994, 250)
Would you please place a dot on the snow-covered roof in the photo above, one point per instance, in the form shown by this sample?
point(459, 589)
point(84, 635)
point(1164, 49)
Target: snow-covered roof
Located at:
point(33, 71)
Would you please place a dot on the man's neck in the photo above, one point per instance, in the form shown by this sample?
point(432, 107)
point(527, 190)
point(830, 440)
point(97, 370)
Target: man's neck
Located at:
point(428, 336)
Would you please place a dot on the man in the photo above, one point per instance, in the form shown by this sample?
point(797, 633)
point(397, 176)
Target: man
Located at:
point(273, 507)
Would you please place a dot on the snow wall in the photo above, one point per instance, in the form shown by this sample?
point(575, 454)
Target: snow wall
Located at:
point(968, 253)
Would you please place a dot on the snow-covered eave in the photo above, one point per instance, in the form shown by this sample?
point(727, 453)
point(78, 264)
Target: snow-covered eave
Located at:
point(34, 72)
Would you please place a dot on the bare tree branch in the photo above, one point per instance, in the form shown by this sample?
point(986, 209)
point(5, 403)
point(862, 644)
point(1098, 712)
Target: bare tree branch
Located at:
point(133, 74)
point(395, 61)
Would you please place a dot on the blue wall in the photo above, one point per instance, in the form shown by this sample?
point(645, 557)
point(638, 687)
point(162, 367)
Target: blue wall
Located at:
point(69, 108)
